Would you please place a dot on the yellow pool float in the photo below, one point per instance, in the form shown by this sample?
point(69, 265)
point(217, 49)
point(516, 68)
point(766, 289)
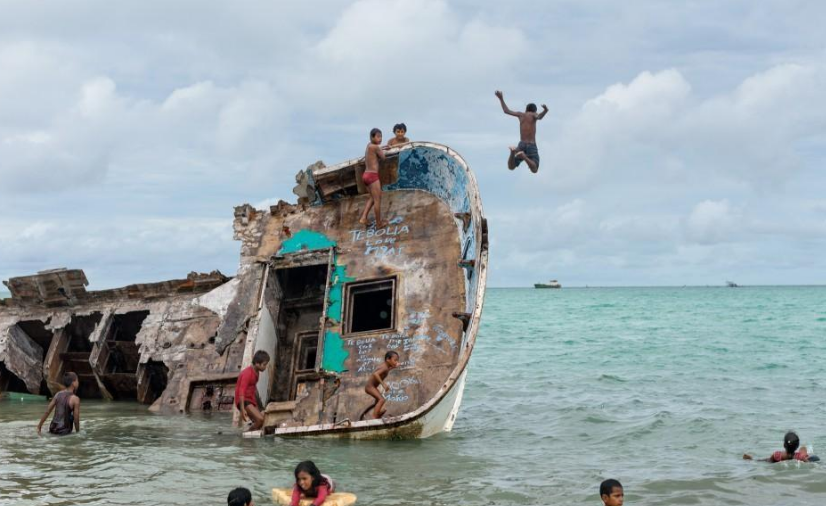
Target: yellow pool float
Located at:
point(285, 495)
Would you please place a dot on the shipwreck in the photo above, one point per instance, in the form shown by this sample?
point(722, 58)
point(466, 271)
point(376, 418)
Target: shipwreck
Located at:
point(323, 295)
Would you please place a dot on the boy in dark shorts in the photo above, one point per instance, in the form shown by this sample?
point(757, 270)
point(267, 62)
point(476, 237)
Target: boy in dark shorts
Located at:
point(400, 133)
point(246, 391)
point(66, 406)
point(391, 361)
point(526, 150)
point(610, 491)
point(372, 155)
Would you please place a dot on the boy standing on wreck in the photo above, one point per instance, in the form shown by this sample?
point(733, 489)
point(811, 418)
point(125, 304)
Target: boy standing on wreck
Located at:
point(391, 361)
point(66, 406)
point(246, 391)
point(526, 150)
point(372, 155)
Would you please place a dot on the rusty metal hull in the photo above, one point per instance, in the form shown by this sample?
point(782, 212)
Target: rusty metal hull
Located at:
point(325, 296)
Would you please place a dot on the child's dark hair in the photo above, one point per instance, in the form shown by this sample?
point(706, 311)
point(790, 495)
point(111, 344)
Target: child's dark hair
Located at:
point(374, 132)
point(791, 442)
point(239, 497)
point(400, 126)
point(309, 467)
point(607, 487)
point(531, 107)
point(390, 354)
point(260, 357)
point(68, 379)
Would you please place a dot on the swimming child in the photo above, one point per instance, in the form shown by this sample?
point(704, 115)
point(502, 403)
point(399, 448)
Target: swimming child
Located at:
point(311, 484)
point(66, 406)
point(246, 391)
point(240, 497)
point(610, 491)
point(372, 155)
point(391, 361)
point(789, 452)
point(526, 150)
point(399, 130)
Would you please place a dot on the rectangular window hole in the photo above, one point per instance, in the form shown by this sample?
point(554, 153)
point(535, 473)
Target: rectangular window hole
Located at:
point(371, 306)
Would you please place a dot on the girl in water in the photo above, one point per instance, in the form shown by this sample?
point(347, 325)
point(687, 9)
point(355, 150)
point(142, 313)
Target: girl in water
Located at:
point(789, 452)
point(311, 484)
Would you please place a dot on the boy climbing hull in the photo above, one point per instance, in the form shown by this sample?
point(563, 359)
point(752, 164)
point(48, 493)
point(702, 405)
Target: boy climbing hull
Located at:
point(338, 296)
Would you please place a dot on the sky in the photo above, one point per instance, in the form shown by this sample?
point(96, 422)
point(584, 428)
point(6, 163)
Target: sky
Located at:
point(685, 142)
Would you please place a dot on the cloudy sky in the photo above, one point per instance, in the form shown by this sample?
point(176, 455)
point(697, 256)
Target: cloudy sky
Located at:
point(685, 142)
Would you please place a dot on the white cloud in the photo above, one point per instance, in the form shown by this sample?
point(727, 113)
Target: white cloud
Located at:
point(712, 222)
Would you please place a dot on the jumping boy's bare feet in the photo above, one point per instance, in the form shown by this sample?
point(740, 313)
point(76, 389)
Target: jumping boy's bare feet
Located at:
point(363, 221)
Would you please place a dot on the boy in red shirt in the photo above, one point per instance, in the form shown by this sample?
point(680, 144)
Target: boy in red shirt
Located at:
point(246, 393)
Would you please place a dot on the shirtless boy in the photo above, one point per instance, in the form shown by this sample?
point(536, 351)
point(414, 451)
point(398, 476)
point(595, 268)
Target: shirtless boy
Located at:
point(372, 155)
point(391, 361)
point(526, 150)
point(400, 135)
point(66, 406)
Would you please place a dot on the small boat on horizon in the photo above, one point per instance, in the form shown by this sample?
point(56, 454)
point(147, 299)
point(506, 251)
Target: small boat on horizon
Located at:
point(551, 284)
point(732, 284)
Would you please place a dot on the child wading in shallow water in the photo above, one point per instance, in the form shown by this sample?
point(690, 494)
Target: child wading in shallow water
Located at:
point(66, 406)
point(372, 155)
point(610, 491)
point(311, 484)
point(789, 452)
point(246, 390)
point(391, 361)
point(240, 497)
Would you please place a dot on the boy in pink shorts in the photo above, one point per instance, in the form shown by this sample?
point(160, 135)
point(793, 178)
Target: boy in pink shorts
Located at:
point(372, 155)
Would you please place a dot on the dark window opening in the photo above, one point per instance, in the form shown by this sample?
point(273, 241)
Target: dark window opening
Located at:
point(123, 355)
point(79, 330)
point(157, 377)
point(371, 306)
point(76, 358)
point(307, 351)
point(125, 327)
point(306, 282)
point(37, 331)
point(10, 382)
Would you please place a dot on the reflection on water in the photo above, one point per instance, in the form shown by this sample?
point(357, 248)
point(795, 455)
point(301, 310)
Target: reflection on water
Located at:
point(663, 389)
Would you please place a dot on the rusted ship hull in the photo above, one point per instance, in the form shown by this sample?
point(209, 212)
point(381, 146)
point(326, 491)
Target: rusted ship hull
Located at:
point(322, 294)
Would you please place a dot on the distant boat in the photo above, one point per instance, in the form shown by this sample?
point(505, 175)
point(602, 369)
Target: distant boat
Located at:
point(731, 284)
point(551, 284)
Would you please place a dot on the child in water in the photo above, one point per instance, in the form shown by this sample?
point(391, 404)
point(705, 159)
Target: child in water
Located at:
point(789, 452)
point(610, 491)
point(240, 497)
point(311, 484)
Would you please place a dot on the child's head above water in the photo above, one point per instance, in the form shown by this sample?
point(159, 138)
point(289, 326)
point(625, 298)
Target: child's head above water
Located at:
point(69, 379)
point(307, 476)
point(610, 491)
point(791, 442)
point(375, 136)
point(240, 497)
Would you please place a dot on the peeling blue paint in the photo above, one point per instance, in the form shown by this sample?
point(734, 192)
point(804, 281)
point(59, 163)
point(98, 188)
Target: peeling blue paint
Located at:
point(305, 240)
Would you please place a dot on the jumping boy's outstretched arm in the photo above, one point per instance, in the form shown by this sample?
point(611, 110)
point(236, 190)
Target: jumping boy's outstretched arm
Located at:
point(45, 415)
point(543, 113)
point(505, 108)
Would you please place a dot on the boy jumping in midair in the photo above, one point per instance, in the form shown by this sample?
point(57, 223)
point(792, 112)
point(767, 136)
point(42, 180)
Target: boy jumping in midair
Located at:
point(526, 150)
point(372, 155)
point(391, 361)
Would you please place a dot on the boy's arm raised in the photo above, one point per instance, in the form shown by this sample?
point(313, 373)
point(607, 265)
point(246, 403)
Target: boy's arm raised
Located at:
point(505, 108)
point(543, 113)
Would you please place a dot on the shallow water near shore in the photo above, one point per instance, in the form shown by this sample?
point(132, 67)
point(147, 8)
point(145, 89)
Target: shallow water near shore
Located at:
point(662, 388)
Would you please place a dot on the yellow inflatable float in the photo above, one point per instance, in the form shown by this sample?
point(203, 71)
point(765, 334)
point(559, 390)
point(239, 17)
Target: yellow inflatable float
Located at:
point(284, 496)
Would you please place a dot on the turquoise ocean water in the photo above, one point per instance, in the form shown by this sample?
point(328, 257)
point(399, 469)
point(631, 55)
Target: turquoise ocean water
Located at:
point(662, 388)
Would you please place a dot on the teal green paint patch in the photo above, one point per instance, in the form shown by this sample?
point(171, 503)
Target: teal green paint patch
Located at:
point(334, 352)
point(305, 240)
point(336, 290)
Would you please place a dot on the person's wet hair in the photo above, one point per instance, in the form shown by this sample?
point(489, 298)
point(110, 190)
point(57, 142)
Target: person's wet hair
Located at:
point(239, 497)
point(791, 442)
point(374, 132)
point(607, 487)
point(260, 357)
point(309, 467)
point(531, 107)
point(400, 126)
point(68, 379)
point(390, 354)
